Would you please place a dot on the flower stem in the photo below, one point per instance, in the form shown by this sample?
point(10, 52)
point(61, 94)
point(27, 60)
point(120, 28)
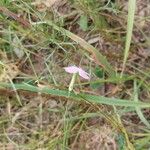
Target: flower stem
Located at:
point(72, 82)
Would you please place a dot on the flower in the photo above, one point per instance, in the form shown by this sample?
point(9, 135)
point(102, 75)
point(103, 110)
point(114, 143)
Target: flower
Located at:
point(75, 69)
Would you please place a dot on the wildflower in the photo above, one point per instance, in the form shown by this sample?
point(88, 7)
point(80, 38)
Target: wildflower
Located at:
point(75, 69)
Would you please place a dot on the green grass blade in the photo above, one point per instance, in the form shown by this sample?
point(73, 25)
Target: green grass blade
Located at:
point(138, 110)
point(78, 97)
point(130, 22)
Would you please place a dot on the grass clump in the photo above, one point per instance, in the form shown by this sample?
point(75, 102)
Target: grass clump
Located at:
point(109, 111)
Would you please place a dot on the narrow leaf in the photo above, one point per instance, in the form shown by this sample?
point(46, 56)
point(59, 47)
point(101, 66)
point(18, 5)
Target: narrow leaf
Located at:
point(79, 97)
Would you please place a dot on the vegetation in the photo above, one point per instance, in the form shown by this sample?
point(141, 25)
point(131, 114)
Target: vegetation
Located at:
point(101, 102)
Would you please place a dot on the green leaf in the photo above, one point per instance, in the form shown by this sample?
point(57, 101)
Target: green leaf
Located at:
point(96, 85)
point(138, 110)
point(4, 2)
point(83, 22)
point(130, 23)
point(99, 72)
point(78, 97)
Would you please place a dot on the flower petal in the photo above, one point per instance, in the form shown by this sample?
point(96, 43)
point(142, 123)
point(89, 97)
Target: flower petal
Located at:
point(71, 69)
point(84, 74)
point(75, 69)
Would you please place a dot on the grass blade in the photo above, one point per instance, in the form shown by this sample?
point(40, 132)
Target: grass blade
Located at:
point(78, 97)
point(138, 110)
point(130, 22)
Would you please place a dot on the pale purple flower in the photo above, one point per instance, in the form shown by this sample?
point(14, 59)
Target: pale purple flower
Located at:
point(75, 69)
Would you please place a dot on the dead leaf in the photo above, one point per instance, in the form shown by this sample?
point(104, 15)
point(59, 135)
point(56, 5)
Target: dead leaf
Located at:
point(18, 47)
point(47, 3)
point(8, 71)
point(50, 3)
